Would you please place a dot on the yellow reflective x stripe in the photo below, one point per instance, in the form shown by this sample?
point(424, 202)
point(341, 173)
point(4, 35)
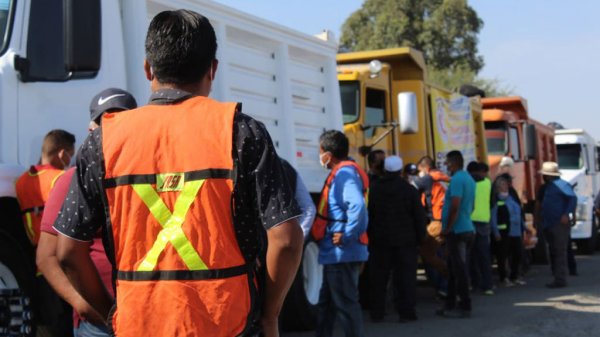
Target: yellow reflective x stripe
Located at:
point(29, 226)
point(171, 224)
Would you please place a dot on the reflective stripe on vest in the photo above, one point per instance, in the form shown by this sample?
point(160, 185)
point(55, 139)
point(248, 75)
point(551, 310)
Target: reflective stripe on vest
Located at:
point(171, 224)
point(322, 219)
point(502, 226)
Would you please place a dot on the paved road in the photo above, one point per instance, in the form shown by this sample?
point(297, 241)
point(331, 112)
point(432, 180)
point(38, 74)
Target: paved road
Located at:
point(523, 311)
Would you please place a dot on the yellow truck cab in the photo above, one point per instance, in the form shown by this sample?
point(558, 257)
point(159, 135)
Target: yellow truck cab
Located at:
point(388, 104)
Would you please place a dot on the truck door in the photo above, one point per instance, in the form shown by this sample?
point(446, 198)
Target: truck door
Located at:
point(376, 116)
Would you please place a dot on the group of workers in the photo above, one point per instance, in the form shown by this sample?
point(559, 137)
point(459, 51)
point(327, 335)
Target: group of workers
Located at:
point(194, 226)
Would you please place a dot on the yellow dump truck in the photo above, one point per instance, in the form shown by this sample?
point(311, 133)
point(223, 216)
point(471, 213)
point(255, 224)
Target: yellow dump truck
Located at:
point(388, 104)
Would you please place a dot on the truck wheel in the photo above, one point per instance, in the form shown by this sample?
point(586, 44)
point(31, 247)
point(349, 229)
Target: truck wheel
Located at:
point(16, 287)
point(299, 311)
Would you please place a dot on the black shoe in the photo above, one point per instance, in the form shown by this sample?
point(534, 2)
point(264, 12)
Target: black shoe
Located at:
point(555, 285)
point(408, 318)
point(573, 273)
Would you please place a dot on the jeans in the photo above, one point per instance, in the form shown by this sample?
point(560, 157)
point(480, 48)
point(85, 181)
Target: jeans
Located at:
point(459, 251)
point(558, 241)
point(339, 299)
point(87, 329)
point(401, 263)
point(481, 263)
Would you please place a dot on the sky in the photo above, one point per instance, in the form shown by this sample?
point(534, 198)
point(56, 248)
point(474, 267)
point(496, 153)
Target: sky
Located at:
point(547, 51)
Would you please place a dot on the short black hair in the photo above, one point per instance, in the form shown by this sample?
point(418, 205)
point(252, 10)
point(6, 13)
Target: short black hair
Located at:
point(57, 140)
point(456, 157)
point(372, 155)
point(426, 160)
point(180, 46)
point(335, 142)
point(483, 167)
point(473, 167)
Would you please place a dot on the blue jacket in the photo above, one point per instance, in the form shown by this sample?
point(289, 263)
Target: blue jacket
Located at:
point(516, 225)
point(346, 203)
point(559, 200)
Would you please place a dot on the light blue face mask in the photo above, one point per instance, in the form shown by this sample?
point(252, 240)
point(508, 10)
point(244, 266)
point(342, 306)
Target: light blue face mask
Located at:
point(503, 196)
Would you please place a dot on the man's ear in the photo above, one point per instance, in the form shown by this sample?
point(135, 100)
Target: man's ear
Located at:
point(148, 70)
point(215, 65)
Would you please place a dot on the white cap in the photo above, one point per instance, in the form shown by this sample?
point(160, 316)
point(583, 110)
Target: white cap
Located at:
point(393, 164)
point(507, 162)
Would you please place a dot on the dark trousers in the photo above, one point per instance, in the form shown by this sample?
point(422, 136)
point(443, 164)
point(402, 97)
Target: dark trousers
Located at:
point(401, 263)
point(459, 252)
point(557, 237)
point(571, 258)
point(339, 299)
point(509, 251)
point(481, 263)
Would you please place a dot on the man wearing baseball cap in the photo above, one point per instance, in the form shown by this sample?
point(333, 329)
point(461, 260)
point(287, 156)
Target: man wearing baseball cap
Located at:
point(109, 100)
point(86, 320)
point(559, 200)
point(396, 227)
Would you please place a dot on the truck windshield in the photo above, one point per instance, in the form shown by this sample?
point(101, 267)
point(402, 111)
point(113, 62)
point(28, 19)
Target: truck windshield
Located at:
point(495, 134)
point(350, 93)
point(569, 156)
point(5, 9)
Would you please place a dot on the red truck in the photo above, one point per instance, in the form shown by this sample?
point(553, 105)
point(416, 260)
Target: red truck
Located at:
point(510, 132)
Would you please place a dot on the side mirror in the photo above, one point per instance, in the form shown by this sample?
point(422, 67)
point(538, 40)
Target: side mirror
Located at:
point(530, 136)
point(408, 115)
point(82, 39)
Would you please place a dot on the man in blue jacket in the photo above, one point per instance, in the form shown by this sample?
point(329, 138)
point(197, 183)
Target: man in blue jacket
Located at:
point(342, 212)
point(559, 201)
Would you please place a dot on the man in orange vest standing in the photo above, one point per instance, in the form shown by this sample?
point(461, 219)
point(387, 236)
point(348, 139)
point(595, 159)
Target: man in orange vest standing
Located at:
point(341, 231)
point(186, 203)
point(33, 186)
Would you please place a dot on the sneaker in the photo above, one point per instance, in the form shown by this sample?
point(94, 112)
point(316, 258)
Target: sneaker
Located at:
point(507, 283)
point(555, 285)
point(488, 292)
point(519, 282)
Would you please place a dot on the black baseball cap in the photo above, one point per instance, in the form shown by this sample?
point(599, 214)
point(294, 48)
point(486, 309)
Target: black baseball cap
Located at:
point(111, 99)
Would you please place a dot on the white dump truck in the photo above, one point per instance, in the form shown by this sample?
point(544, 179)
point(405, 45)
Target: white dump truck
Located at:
point(579, 163)
point(55, 55)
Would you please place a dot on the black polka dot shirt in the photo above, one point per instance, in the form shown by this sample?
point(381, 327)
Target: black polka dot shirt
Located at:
point(262, 196)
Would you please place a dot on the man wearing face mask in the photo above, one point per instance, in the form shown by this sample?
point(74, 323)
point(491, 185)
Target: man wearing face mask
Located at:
point(33, 186)
point(340, 229)
point(33, 189)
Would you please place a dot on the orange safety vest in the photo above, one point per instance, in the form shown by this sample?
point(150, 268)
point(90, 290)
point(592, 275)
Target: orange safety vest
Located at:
point(322, 219)
point(438, 193)
point(180, 270)
point(33, 188)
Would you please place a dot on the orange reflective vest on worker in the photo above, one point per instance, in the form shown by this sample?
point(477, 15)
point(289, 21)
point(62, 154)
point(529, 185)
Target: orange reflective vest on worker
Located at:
point(434, 199)
point(33, 188)
point(180, 270)
point(322, 219)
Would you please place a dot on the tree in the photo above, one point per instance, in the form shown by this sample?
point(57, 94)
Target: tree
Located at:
point(444, 30)
point(454, 78)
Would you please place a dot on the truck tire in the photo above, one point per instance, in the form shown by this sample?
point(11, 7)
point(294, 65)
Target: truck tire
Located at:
point(17, 286)
point(299, 311)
